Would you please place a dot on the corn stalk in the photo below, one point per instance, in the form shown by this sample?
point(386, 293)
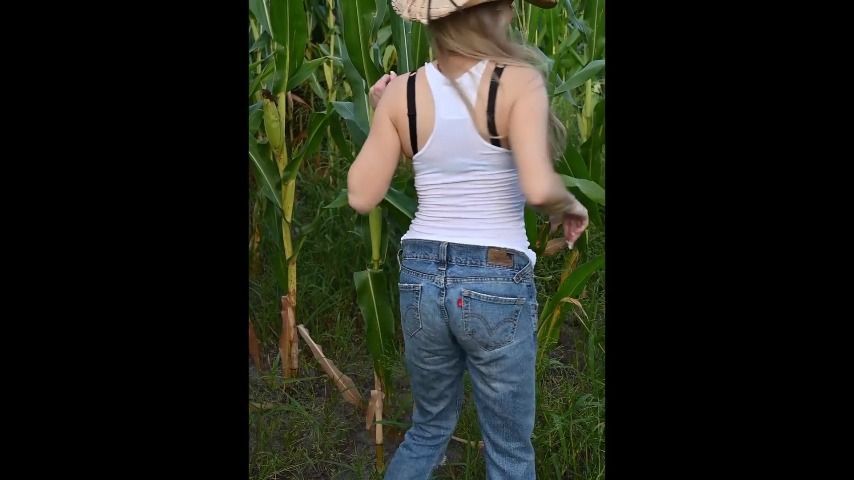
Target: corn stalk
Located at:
point(360, 22)
point(285, 24)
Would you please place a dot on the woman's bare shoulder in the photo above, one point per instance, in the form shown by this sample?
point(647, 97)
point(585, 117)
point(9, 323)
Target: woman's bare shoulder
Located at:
point(522, 80)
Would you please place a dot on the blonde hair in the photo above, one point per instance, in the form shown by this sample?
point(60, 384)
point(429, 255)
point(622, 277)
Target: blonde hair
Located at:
point(474, 32)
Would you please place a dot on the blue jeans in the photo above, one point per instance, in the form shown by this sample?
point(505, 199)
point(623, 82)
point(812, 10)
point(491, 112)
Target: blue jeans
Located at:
point(468, 307)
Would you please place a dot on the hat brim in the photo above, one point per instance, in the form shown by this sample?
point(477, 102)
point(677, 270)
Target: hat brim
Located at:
point(424, 11)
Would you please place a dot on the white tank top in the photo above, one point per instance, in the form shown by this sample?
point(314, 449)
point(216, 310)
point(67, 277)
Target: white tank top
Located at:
point(468, 189)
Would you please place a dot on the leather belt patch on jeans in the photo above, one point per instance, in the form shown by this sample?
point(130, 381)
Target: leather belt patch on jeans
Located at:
point(499, 256)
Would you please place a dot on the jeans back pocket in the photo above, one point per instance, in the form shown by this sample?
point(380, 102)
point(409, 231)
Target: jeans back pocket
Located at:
point(491, 320)
point(410, 307)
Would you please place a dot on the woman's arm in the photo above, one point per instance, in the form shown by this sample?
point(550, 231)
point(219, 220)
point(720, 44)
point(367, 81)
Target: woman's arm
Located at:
point(542, 186)
point(371, 173)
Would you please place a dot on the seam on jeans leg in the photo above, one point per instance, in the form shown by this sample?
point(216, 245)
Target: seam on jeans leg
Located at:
point(461, 397)
point(442, 309)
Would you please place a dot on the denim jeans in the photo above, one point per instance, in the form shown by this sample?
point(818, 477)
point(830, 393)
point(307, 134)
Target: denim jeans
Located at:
point(468, 307)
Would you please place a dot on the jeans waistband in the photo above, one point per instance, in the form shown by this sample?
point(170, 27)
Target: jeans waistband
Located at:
point(445, 253)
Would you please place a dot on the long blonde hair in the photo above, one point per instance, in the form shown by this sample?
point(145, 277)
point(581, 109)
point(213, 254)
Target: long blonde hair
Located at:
point(473, 32)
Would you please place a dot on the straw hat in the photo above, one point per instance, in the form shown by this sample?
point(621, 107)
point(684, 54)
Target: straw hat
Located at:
point(425, 10)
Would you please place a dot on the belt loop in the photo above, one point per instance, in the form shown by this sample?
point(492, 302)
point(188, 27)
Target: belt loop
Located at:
point(522, 273)
point(443, 256)
point(399, 259)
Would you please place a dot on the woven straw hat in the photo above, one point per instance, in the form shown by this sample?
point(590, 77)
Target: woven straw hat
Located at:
point(426, 10)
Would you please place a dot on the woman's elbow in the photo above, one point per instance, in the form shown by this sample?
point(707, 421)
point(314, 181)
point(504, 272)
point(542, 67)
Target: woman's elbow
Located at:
point(359, 204)
point(356, 198)
point(537, 198)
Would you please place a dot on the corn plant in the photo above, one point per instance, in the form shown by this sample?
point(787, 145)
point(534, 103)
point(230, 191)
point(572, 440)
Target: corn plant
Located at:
point(360, 22)
point(573, 39)
point(279, 34)
point(374, 41)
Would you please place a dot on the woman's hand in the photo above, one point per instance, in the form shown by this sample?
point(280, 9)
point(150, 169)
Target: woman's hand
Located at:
point(378, 88)
point(574, 219)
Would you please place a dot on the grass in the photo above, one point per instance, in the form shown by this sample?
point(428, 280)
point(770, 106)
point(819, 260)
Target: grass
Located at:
point(306, 431)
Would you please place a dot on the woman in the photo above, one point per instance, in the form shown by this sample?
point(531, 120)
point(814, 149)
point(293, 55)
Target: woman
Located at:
point(477, 125)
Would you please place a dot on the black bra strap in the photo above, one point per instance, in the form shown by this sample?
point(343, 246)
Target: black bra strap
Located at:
point(410, 111)
point(490, 106)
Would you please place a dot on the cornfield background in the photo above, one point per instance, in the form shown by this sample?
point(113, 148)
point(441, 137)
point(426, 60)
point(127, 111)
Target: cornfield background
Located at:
point(311, 64)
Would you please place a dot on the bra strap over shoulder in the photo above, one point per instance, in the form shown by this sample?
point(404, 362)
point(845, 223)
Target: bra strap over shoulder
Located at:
point(410, 111)
point(490, 105)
